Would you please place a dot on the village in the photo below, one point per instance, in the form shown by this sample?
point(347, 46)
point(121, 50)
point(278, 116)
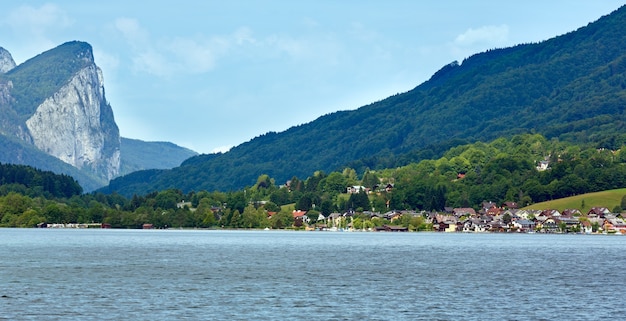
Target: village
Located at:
point(491, 218)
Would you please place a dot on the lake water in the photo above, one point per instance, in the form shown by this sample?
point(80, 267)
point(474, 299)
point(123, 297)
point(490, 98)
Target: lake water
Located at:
point(279, 275)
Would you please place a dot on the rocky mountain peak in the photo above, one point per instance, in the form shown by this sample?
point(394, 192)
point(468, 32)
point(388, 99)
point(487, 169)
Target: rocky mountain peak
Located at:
point(6, 61)
point(55, 101)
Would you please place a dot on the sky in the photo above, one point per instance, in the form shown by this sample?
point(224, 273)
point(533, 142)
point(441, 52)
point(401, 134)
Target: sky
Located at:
point(209, 75)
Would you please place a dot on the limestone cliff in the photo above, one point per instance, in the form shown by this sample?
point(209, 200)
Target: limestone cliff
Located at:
point(55, 101)
point(76, 125)
point(6, 61)
point(54, 116)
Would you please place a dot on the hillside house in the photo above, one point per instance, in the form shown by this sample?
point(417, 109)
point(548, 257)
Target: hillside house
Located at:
point(183, 204)
point(543, 165)
point(356, 189)
point(510, 205)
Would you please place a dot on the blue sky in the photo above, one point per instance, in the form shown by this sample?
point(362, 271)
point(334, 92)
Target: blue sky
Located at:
point(209, 75)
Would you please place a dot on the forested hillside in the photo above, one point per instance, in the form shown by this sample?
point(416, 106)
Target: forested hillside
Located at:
point(571, 87)
point(466, 176)
point(34, 182)
point(141, 155)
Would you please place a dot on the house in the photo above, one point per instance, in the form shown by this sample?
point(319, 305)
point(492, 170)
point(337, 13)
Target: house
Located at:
point(598, 212)
point(183, 204)
point(487, 205)
point(355, 189)
point(550, 225)
point(543, 165)
point(391, 228)
point(495, 226)
point(571, 223)
point(571, 212)
point(301, 215)
point(464, 211)
point(586, 227)
point(334, 219)
point(494, 211)
point(445, 223)
point(510, 205)
point(550, 213)
point(392, 215)
point(524, 225)
point(474, 225)
point(615, 225)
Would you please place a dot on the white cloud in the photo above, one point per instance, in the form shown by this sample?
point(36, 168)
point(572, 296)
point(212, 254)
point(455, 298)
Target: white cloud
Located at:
point(152, 62)
point(33, 29)
point(38, 21)
point(485, 35)
point(179, 55)
point(193, 56)
point(132, 31)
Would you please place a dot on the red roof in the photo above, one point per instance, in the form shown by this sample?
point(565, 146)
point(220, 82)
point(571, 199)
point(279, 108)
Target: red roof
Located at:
point(298, 213)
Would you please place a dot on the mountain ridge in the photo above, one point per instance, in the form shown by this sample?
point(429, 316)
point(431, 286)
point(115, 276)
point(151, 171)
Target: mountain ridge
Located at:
point(570, 87)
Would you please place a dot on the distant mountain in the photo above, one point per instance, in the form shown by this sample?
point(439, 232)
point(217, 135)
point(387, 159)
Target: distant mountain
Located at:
point(54, 116)
point(55, 102)
point(140, 155)
point(572, 87)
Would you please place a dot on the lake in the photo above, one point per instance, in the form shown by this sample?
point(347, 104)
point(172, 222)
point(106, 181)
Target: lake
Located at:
point(78, 274)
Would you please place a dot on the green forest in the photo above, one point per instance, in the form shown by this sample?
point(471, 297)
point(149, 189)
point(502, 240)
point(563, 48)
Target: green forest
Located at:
point(465, 176)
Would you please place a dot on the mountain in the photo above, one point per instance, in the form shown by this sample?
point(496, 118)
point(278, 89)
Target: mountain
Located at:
point(572, 87)
point(6, 61)
point(140, 155)
point(56, 102)
point(54, 116)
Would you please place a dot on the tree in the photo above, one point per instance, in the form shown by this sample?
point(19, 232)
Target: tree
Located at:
point(312, 183)
point(250, 217)
point(308, 201)
point(350, 175)
point(281, 220)
point(370, 180)
point(235, 220)
point(206, 213)
point(327, 207)
point(167, 199)
point(335, 183)
point(271, 207)
point(237, 201)
point(359, 200)
point(617, 209)
point(506, 218)
point(280, 196)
